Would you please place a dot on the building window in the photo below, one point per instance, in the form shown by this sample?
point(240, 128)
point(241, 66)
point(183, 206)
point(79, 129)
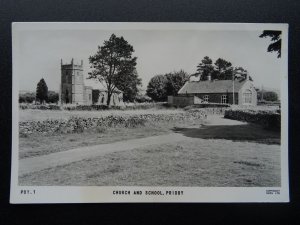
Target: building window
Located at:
point(90, 96)
point(247, 96)
point(224, 99)
point(205, 98)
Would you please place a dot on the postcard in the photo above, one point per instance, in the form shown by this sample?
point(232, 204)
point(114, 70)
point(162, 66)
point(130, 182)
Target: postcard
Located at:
point(149, 112)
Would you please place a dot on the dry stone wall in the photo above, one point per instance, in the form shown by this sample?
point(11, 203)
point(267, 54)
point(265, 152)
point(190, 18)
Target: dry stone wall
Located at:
point(79, 124)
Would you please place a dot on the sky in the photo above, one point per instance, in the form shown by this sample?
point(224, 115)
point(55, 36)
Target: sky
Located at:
point(158, 52)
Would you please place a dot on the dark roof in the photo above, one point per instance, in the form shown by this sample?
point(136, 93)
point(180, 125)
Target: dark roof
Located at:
point(214, 86)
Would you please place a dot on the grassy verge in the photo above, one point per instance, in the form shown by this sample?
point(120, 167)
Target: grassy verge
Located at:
point(195, 162)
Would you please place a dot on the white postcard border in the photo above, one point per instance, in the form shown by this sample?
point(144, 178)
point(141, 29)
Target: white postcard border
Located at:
point(91, 194)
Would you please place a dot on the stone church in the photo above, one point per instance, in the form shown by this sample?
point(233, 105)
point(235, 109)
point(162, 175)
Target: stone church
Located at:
point(74, 91)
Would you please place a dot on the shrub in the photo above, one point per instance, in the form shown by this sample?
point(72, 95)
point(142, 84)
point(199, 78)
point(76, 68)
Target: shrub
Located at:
point(269, 96)
point(143, 99)
point(269, 119)
point(28, 97)
point(53, 97)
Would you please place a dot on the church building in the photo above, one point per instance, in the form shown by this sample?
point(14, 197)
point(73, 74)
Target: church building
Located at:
point(74, 91)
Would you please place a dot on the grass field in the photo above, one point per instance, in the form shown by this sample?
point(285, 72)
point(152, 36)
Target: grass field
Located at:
point(216, 163)
point(37, 145)
point(223, 154)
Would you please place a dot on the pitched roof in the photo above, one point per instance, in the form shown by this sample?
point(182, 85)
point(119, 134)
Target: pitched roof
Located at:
point(214, 86)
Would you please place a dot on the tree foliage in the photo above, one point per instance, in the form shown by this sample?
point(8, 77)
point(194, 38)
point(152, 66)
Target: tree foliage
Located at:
point(53, 97)
point(240, 72)
point(156, 88)
point(42, 91)
point(113, 62)
point(175, 81)
point(128, 82)
point(221, 70)
point(161, 86)
point(267, 96)
point(27, 97)
point(205, 68)
point(275, 45)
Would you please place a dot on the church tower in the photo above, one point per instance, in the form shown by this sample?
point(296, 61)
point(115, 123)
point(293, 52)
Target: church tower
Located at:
point(72, 84)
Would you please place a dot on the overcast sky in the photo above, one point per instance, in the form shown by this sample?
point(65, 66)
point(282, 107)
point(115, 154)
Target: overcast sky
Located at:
point(158, 52)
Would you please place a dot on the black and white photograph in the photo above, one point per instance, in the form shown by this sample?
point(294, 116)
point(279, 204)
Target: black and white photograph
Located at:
point(149, 112)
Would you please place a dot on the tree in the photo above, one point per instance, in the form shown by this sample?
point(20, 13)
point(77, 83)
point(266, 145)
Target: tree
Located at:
point(128, 82)
point(175, 81)
point(275, 36)
point(27, 97)
point(267, 96)
point(112, 62)
point(161, 86)
point(156, 88)
point(241, 73)
point(42, 91)
point(223, 70)
point(205, 68)
point(53, 97)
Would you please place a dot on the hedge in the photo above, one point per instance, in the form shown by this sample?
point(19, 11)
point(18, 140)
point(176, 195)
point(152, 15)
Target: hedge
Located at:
point(267, 118)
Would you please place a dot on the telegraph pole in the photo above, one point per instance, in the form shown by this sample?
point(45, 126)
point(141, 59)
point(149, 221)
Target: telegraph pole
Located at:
point(233, 99)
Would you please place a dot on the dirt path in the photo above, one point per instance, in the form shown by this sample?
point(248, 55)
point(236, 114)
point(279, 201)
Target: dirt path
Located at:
point(29, 165)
